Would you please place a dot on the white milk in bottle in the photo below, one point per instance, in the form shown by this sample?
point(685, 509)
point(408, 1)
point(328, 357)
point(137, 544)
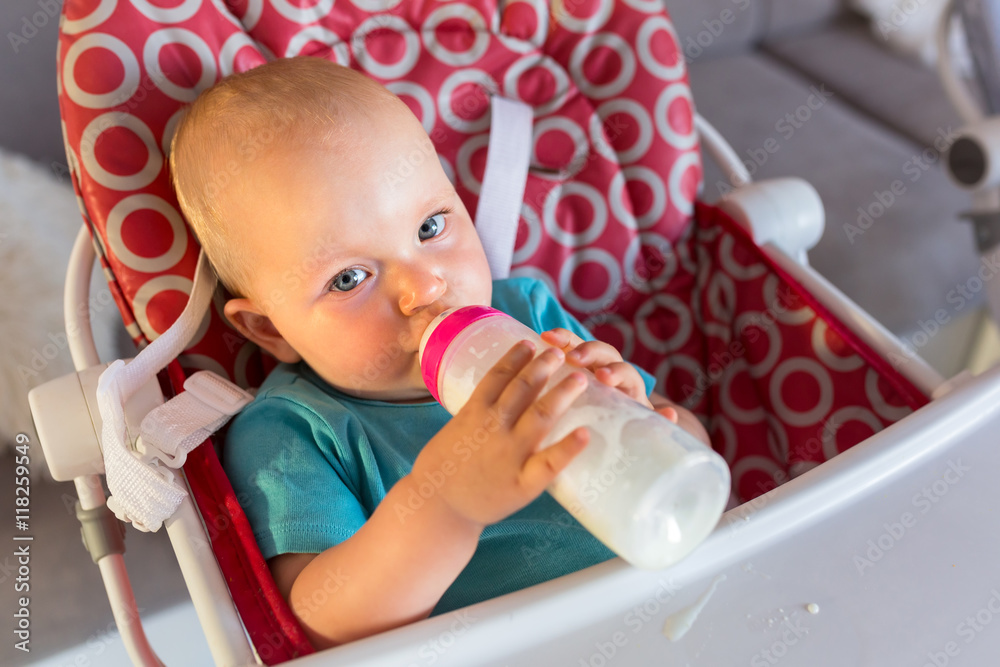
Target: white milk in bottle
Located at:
point(644, 486)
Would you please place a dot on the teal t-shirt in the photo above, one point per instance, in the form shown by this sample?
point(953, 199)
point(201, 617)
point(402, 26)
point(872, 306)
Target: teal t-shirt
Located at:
point(309, 465)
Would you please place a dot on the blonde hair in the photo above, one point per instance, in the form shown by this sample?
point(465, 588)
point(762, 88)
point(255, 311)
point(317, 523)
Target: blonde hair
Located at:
point(291, 103)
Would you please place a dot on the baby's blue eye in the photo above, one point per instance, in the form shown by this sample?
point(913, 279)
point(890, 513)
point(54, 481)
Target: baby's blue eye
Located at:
point(432, 226)
point(348, 279)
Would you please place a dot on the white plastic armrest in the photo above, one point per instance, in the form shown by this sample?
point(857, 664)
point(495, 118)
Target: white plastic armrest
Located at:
point(69, 423)
point(787, 212)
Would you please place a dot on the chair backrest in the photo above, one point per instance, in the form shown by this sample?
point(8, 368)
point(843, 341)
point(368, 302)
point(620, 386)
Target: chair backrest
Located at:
point(615, 165)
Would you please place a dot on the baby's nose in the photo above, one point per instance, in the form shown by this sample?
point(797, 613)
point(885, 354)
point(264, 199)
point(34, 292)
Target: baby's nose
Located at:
point(421, 289)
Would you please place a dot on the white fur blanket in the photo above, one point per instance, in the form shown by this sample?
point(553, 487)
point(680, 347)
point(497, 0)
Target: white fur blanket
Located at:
point(39, 220)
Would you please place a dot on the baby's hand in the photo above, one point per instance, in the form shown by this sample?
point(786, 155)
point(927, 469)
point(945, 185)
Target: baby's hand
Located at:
point(680, 416)
point(487, 457)
point(603, 360)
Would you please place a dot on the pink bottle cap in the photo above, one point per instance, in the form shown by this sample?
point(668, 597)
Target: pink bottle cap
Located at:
point(432, 351)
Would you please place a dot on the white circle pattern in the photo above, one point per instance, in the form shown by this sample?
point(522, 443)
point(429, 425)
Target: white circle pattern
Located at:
point(252, 14)
point(761, 463)
point(181, 12)
point(375, 5)
point(620, 324)
point(777, 439)
point(317, 33)
point(653, 182)
point(574, 239)
point(755, 319)
point(784, 314)
point(823, 403)
point(616, 200)
point(578, 259)
point(575, 134)
point(379, 69)
point(528, 271)
point(104, 122)
point(882, 407)
point(641, 117)
point(150, 289)
point(541, 9)
point(720, 424)
point(95, 18)
point(428, 112)
point(448, 115)
point(130, 65)
point(666, 273)
point(682, 202)
point(530, 245)
point(581, 26)
point(584, 48)
point(170, 129)
point(685, 363)
point(729, 407)
point(151, 59)
point(684, 324)
point(721, 294)
point(643, 48)
point(233, 45)
point(137, 202)
point(841, 417)
point(477, 24)
point(734, 268)
point(464, 161)
point(661, 114)
point(828, 356)
point(303, 15)
point(522, 65)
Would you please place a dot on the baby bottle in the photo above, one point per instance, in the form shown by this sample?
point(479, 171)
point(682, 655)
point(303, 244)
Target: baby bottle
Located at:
point(643, 486)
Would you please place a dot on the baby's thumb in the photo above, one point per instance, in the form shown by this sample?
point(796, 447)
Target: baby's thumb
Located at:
point(669, 412)
point(542, 466)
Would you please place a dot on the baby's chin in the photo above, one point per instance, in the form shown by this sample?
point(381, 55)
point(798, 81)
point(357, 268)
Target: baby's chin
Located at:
point(408, 388)
point(394, 395)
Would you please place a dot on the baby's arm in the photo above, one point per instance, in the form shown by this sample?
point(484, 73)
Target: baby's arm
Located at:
point(395, 568)
point(609, 367)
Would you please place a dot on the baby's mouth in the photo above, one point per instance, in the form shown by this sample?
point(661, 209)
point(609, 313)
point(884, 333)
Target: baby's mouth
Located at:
point(421, 321)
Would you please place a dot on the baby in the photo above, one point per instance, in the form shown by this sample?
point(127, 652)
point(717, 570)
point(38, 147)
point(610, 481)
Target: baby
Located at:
point(290, 177)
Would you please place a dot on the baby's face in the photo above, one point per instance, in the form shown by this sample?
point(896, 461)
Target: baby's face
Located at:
point(356, 248)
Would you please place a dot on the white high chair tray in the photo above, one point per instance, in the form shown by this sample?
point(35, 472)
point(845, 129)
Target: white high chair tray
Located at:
point(894, 540)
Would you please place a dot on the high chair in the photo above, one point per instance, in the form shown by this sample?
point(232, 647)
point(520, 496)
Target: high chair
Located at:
point(837, 435)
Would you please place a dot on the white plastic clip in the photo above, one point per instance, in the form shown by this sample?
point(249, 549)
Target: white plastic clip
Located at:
point(217, 393)
point(172, 430)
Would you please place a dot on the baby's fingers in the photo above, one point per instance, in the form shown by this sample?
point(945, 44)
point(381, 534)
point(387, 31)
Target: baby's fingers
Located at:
point(539, 418)
point(496, 380)
point(524, 388)
point(564, 339)
point(668, 412)
point(623, 376)
point(542, 467)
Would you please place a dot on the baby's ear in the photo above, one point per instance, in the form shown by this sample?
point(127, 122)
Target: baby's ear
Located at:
point(252, 323)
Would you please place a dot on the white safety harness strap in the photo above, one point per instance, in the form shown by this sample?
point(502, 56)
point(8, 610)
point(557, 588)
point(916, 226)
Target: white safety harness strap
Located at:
point(143, 491)
point(504, 180)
